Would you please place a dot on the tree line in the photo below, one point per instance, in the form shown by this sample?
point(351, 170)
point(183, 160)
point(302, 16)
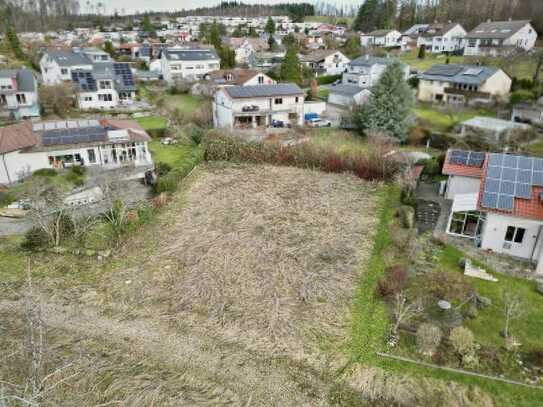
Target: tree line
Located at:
point(402, 14)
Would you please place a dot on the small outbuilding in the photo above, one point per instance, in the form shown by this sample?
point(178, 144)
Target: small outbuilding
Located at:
point(490, 129)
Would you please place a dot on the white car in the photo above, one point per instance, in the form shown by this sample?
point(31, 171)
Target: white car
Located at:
point(319, 123)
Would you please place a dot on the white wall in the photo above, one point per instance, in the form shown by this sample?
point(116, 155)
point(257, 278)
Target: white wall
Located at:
point(314, 107)
point(458, 184)
point(493, 236)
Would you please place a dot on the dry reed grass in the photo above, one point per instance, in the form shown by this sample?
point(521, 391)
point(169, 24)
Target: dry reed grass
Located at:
point(269, 251)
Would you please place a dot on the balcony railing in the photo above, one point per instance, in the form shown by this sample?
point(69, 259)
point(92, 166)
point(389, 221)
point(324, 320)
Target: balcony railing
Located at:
point(466, 92)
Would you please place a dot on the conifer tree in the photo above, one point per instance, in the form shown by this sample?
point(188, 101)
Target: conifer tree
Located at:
point(290, 68)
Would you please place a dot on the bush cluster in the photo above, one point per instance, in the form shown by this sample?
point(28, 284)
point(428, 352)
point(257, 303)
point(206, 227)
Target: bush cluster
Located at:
point(393, 282)
point(45, 172)
point(327, 79)
point(369, 166)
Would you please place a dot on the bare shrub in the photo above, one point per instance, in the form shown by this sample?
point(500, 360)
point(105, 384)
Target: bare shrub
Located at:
point(393, 282)
point(428, 338)
point(462, 340)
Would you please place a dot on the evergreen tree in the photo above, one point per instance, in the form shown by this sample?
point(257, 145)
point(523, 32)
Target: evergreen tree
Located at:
point(365, 20)
point(147, 26)
point(352, 47)
point(270, 26)
point(13, 41)
point(271, 43)
point(215, 35)
point(228, 57)
point(252, 32)
point(422, 52)
point(108, 47)
point(290, 68)
point(390, 106)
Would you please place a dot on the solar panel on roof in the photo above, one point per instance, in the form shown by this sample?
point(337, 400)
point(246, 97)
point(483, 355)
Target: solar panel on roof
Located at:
point(473, 71)
point(507, 187)
point(526, 163)
point(523, 190)
point(492, 185)
point(509, 174)
point(510, 161)
point(494, 172)
point(505, 202)
point(537, 178)
point(476, 159)
point(458, 157)
point(524, 176)
point(444, 70)
point(490, 200)
point(495, 159)
point(538, 164)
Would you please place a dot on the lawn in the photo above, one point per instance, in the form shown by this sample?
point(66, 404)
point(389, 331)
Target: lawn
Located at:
point(152, 122)
point(422, 65)
point(445, 120)
point(175, 155)
point(185, 103)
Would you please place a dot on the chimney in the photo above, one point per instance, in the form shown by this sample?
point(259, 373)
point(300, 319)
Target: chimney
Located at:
point(489, 20)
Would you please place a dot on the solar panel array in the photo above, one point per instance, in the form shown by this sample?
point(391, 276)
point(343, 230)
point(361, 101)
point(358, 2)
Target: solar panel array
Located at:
point(74, 136)
point(64, 124)
point(444, 70)
point(468, 158)
point(509, 177)
point(85, 80)
point(124, 73)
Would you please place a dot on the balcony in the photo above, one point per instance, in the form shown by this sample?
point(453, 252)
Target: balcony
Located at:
point(467, 93)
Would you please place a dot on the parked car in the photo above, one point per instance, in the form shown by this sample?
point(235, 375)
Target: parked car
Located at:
point(278, 123)
point(168, 140)
point(319, 123)
point(249, 108)
point(336, 82)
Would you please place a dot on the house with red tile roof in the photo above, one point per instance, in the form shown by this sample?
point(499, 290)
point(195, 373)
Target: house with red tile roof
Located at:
point(106, 144)
point(497, 200)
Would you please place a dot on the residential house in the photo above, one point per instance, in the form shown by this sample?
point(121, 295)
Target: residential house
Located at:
point(381, 38)
point(107, 144)
point(95, 55)
point(266, 60)
point(529, 112)
point(104, 86)
point(439, 38)
point(490, 129)
point(18, 94)
point(497, 200)
point(348, 95)
point(500, 38)
point(238, 77)
point(258, 106)
point(455, 83)
point(365, 71)
point(410, 37)
point(189, 64)
point(56, 66)
point(244, 47)
point(325, 62)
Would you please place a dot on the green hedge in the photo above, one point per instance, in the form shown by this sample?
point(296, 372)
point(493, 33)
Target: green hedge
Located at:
point(327, 79)
point(173, 176)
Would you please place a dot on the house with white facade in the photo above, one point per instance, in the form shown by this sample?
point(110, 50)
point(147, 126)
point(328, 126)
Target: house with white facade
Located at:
point(18, 94)
point(56, 66)
point(244, 47)
point(455, 83)
point(325, 62)
point(260, 106)
point(365, 71)
point(439, 38)
point(381, 38)
point(497, 201)
point(348, 95)
point(105, 144)
point(238, 77)
point(104, 86)
point(500, 38)
point(410, 37)
point(189, 64)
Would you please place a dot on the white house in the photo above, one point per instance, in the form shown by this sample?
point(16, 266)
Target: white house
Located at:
point(108, 144)
point(258, 106)
point(365, 71)
point(325, 62)
point(497, 200)
point(18, 94)
point(348, 95)
point(455, 83)
point(381, 38)
point(56, 66)
point(244, 47)
point(500, 38)
point(190, 64)
point(239, 77)
point(438, 38)
point(105, 86)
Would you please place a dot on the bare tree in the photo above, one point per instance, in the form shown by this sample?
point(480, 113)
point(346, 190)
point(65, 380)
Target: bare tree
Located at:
point(512, 309)
point(403, 312)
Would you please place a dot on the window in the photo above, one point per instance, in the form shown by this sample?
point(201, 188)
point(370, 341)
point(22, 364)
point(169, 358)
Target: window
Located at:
point(105, 97)
point(92, 156)
point(278, 101)
point(260, 79)
point(87, 98)
point(468, 224)
point(64, 71)
point(3, 100)
point(296, 99)
point(21, 98)
point(514, 234)
point(105, 84)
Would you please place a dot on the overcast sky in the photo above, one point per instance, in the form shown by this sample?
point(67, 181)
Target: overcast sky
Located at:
point(130, 6)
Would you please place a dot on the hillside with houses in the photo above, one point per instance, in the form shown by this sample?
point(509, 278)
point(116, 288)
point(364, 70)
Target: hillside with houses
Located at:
point(288, 204)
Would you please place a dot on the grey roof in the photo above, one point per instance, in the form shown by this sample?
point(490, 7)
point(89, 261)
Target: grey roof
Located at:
point(64, 58)
point(456, 73)
point(26, 82)
point(180, 54)
point(366, 60)
point(438, 29)
point(347, 90)
point(497, 29)
point(280, 89)
point(416, 29)
point(119, 72)
point(494, 124)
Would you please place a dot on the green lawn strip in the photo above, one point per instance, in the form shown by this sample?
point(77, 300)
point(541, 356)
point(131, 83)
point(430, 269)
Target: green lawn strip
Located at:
point(489, 322)
point(370, 318)
point(175, 155)
point(152, 122)
point(421, 65)
point(443, 121)
point(504, 394)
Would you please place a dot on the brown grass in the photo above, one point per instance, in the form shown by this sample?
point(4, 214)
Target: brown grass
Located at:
point(270, 251)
